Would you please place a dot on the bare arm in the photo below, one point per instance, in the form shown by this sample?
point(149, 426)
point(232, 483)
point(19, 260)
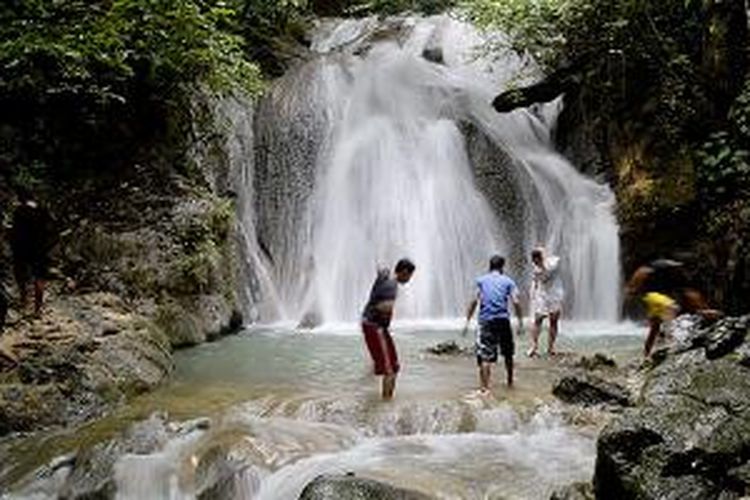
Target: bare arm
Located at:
point(469, 313)
point(470, 309)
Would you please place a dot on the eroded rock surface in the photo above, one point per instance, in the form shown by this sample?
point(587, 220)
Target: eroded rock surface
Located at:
point(689, 437)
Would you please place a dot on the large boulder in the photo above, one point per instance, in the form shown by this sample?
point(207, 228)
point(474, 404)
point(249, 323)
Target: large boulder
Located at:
point(690, 436)
point(336, 487)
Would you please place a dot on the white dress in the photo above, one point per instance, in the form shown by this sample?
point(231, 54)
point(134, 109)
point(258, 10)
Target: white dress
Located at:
point(546, 288)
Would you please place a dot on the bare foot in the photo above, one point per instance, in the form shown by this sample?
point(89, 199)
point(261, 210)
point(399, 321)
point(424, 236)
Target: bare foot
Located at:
point(532, 352)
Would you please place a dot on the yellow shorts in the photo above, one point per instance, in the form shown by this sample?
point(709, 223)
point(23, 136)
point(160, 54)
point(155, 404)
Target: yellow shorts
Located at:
point(659, 306)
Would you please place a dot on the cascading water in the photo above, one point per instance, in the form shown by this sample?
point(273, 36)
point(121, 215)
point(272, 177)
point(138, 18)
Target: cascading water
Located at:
point(366, 155)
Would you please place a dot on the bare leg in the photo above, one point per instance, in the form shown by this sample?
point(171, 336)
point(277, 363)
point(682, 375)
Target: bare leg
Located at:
point(509, 370)
point(536, 327)
point(554, 318)
point(485, 373)
point(389, 385)
point(38, 297)
point(654, 326)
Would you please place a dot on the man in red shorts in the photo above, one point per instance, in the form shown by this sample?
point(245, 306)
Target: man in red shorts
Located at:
point(377, 317)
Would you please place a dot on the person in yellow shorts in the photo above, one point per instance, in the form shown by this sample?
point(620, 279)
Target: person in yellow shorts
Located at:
point(665, 294)
point(659, 308)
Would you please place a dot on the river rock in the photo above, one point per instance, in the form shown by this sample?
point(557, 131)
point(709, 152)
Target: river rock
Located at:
point(584, 388)
point(450, 348)
point(350, 487)
point(596, 362)
point(689, 438)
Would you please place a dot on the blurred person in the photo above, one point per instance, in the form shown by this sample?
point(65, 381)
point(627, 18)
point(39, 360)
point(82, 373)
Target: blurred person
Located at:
point(31, 240)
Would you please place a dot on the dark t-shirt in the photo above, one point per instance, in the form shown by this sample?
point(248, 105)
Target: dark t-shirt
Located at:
point(383, 289)
point(31, 235)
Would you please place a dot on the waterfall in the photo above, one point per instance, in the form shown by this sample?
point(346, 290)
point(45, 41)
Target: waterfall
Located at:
point(369, 152)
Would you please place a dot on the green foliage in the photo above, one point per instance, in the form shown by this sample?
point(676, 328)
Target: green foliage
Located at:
point(739, 116)
point(102, 49)
point(532, 26)
point(724, 167)
point(633, 55)
point(724, 171)
point(86, 82)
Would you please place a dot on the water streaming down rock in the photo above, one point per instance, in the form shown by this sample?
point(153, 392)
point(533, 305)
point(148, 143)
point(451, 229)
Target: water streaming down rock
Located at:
point(370, 152)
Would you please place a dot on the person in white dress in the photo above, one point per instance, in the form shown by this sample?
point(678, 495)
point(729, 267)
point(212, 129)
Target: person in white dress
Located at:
point(546, 298)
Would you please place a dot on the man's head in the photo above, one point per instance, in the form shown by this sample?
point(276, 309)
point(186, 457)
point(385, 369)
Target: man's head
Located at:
point(403, 270)
point(497, 263)
point(537, 256)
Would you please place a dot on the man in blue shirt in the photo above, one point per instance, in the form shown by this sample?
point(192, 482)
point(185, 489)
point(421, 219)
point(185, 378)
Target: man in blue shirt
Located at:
point(495, 292)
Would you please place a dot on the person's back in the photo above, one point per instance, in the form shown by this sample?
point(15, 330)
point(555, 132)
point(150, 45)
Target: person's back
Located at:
point(495, 291)
point(30, 233)
point(31, 240)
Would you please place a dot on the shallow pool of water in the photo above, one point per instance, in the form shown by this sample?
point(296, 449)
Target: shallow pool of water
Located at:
point(289, 405)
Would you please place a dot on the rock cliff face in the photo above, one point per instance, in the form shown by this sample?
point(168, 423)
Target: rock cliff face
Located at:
point(689, 437)
point(85, 354)
point(149, 259)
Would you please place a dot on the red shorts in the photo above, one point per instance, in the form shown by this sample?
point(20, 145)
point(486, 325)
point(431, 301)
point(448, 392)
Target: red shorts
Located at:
point(381, 347)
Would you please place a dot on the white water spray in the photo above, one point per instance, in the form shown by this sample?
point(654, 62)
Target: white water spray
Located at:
point(394, 177)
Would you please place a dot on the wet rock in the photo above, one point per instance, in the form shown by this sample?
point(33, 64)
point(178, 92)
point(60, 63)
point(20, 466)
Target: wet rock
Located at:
point(575, 491)
point(434, 54)
point(596, 362)
point(587, 389)
point(90, 473)
point(690, 435)
point(450, 348)
point(336, 487)
point(310, 320)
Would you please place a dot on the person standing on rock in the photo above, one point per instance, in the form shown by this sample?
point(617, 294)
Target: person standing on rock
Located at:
point(546, 298)
point(495, 292)
point(376, 319)
point(31, 240)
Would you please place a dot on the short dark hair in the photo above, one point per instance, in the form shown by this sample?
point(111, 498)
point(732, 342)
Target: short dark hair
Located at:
point(497, 263)
point(405, 265)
